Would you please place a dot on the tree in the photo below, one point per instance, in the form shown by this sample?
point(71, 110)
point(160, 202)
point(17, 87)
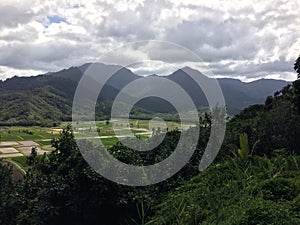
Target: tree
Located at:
point(61, 188)
point(297, 66)
point(7, 200)
point(296, 95)
point(32, 157)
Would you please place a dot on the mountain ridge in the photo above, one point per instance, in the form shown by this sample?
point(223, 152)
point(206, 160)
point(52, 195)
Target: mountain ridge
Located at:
point(60, 87)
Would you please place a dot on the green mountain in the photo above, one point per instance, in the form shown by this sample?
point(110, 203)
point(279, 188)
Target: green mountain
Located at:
point(47, 99)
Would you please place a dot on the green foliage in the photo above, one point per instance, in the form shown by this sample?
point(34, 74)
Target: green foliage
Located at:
point(279, 189)
point(32, 158)
point(296, 95)
point(276, 124)
point(7, 207)
point(39, 106)
point(22, 161)
point(252, 191)
point(262, 212)
point(244, 150)
point(62, 189)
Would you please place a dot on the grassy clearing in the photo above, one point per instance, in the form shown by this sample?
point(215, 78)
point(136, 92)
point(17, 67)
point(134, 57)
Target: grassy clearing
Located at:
point(109, 142)
point(22, 161)
point(144, 124)
point(171, 125)
point(138, 128)
point(25, 133)
point(42, 143)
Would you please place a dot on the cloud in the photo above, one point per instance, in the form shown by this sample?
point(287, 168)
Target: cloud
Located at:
point(9, 72)
point(12, 16)
point(242, 39)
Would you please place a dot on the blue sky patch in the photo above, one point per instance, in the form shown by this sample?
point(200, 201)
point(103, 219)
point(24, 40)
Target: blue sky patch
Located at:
point(56, 19)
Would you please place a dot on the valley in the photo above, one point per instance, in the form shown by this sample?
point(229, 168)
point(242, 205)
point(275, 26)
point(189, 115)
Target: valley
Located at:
point(16, 142)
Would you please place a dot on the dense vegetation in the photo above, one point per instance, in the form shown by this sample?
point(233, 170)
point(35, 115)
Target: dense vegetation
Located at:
point(275, 124)
point(254, 180)
point(255, 190)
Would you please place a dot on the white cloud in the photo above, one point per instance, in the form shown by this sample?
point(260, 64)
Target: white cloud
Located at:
point(255, 38)
point(10, 72)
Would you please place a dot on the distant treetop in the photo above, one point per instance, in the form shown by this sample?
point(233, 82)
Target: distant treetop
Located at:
point(297, 66)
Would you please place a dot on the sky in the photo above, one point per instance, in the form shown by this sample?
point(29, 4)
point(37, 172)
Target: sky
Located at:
point(241, 39)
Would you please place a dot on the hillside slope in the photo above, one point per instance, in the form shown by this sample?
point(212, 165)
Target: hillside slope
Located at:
point(46, 99)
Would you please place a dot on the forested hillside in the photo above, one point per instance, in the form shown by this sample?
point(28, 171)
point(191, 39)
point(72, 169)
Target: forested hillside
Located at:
point(47, 99)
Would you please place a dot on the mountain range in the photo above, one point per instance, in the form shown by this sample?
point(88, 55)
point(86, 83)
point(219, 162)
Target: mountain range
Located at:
point(47, 99)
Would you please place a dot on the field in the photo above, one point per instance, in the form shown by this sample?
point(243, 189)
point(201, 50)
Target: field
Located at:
point(16, 143)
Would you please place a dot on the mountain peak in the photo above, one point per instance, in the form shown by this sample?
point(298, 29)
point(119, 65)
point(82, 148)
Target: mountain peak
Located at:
point(84, 67)
point(185, 71)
